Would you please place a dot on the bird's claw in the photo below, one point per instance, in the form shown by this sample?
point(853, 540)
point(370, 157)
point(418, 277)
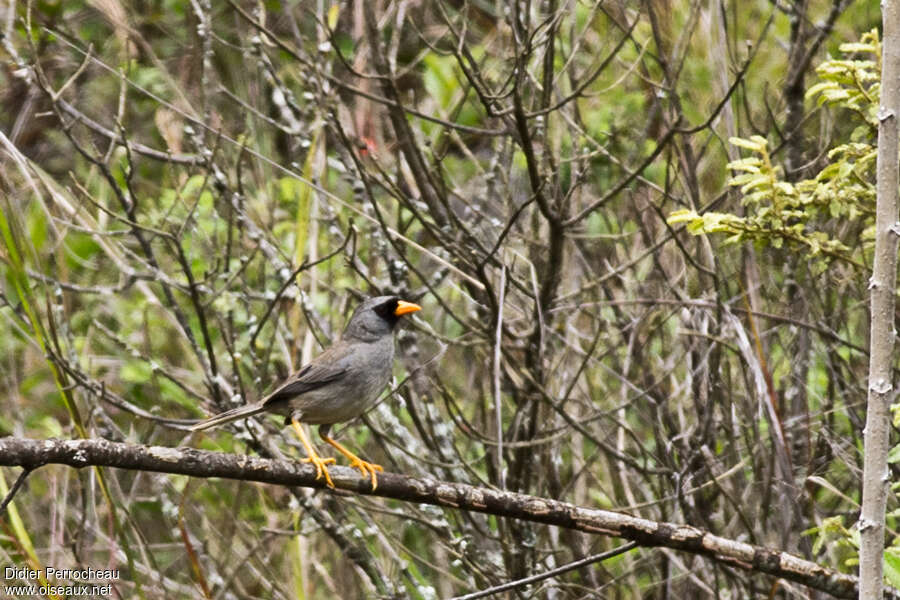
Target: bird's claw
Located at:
point(321, 469)
point(367, 469)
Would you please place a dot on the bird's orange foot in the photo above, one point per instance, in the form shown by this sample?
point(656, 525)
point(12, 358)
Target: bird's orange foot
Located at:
point(367, 469)
point(321, 469)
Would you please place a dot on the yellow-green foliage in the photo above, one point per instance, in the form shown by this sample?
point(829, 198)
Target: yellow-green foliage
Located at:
point(811, 213)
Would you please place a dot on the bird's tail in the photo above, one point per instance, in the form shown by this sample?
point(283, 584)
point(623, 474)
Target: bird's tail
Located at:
point(230, 415)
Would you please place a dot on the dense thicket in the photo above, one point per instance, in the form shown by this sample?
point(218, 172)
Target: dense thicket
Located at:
point(195, 195)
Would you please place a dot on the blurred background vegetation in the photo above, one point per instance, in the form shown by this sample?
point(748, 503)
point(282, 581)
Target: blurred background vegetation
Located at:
point(196, 194)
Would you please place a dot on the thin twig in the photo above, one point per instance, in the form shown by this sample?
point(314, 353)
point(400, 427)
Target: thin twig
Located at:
point(498, 405)
point(20, 480)
point(589, 560)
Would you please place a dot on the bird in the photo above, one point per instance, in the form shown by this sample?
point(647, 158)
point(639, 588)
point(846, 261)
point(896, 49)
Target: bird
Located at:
point(338, 385)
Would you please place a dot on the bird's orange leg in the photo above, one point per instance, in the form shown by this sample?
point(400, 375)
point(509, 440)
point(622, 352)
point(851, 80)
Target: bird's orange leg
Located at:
point(313, 457)
point(366, 468)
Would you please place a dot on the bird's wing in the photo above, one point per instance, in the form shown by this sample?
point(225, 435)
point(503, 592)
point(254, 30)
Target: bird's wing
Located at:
point(324, 369)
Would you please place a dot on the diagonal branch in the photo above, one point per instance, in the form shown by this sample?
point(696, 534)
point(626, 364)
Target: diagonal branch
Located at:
point(31, 454)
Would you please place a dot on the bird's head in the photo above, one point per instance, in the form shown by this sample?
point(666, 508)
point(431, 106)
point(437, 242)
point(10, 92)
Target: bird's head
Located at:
point(377, 316)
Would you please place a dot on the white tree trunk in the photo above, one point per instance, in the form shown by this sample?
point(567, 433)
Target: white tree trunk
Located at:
point(883, 285)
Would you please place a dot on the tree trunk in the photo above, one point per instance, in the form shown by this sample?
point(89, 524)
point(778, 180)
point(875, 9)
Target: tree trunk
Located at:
point(882, 285)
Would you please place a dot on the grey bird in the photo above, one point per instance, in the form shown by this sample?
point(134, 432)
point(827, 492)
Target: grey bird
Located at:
point(338, 385)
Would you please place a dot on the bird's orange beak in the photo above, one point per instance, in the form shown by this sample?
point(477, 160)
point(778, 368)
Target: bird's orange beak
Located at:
point(404, 307)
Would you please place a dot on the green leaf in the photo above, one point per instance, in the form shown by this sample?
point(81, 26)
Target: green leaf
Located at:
point(333, 13)
point(756, 143)
point(739, 180)
point(784, 187)
point(853, 47)
point(681, 216)
point(18, 527)
point(135, 371)
point(894, 454)
point(760, 180)
point(192, 186)
point(750, 164)
point(820, 87)
point(892, 565)
point(696, 227)
point(836, 95)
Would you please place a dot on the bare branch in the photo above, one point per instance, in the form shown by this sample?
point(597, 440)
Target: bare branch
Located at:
point(31, 454)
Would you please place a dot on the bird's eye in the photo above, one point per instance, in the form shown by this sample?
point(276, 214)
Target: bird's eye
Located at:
point(386, 309)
